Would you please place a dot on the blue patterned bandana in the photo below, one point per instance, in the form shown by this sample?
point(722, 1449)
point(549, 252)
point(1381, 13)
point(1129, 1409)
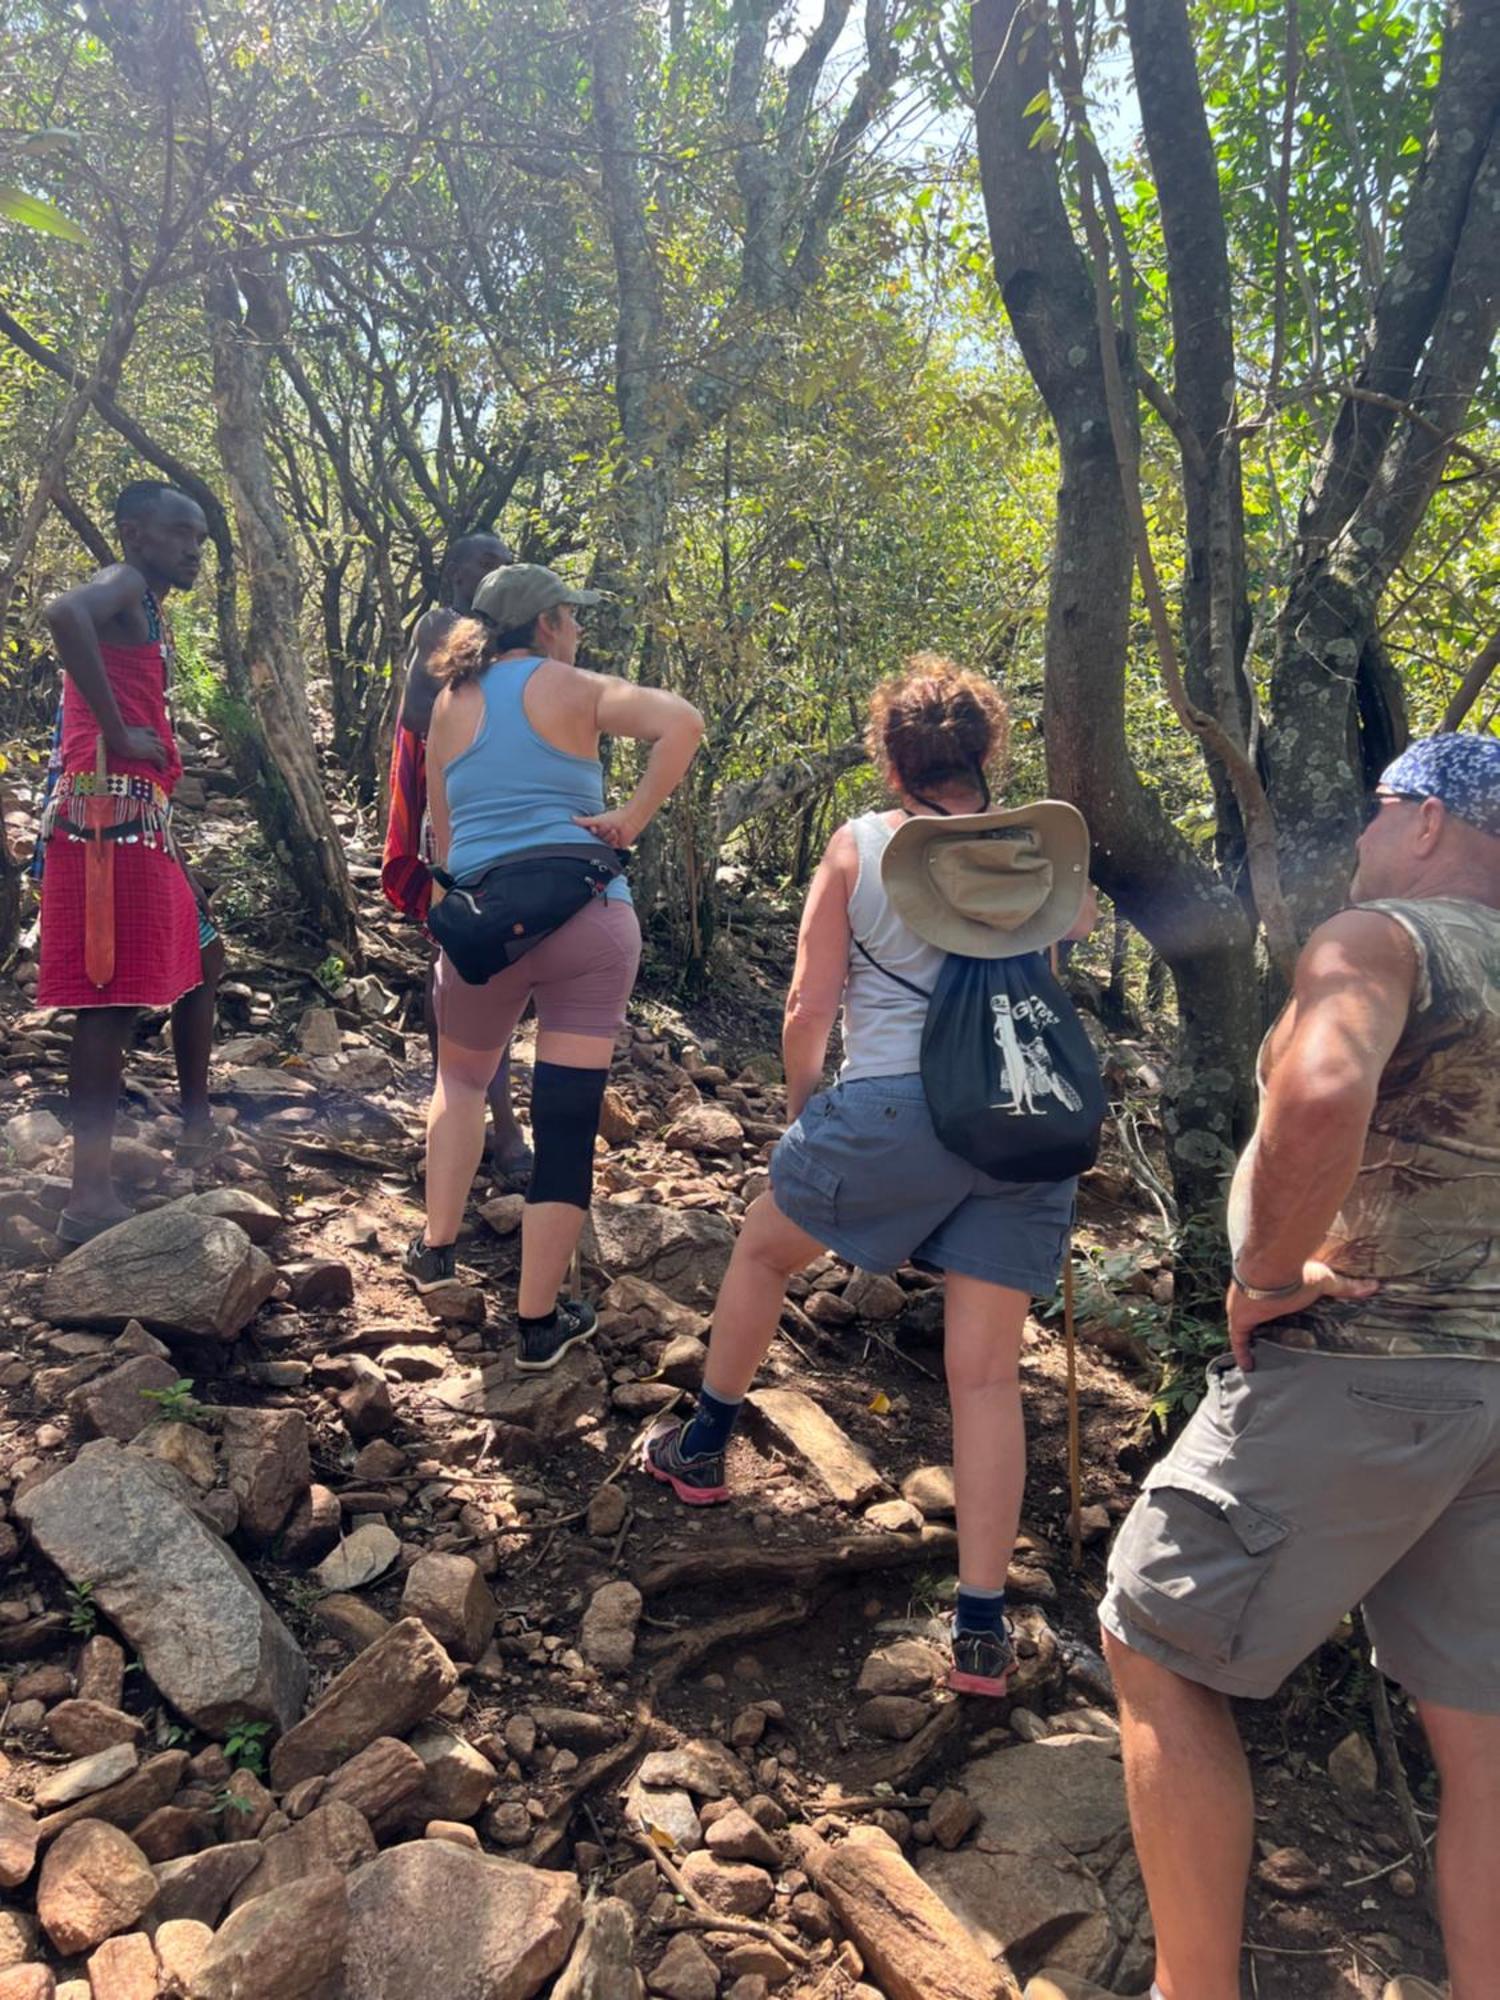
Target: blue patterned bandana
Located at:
point(1462, 771)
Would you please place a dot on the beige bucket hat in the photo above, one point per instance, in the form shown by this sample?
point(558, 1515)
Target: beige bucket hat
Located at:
point(993, 884)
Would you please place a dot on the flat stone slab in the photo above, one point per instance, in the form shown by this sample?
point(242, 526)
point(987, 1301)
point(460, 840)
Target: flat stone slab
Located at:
point(431, 1917)
point(1049, 1877)
point(208, 1640)
point(548, 1405)
point(360, 1558)
point(800, 1425)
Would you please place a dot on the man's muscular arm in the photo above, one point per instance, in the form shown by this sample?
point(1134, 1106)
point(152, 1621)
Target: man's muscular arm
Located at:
point(75, 619)
point(1346, 1015)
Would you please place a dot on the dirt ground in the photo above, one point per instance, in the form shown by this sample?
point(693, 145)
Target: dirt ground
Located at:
point(342, 1166)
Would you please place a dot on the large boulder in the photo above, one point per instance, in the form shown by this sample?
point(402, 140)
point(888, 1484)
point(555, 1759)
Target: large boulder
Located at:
point(124, 1523)
point(685, 1251)
point(389, 1688)
point(515, 1929)
point(175, 1271)
point(288, 1945)
point(1050, 1876)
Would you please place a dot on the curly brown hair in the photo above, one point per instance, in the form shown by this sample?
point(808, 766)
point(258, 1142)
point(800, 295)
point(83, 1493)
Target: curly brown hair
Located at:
point(464, 650)
point(468, 646)
point(935, 724)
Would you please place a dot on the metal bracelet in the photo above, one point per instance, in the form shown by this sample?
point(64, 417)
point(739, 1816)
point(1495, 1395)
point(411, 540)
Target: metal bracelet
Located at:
point(1264, 1291)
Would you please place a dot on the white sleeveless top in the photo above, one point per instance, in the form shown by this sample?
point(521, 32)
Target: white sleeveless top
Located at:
point(882, 1021)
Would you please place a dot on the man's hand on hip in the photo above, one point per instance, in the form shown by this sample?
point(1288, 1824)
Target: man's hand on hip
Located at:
point(1319, 1281)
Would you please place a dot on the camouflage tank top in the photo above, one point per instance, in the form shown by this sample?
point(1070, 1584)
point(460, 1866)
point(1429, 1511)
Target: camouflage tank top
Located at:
point(1423, 1215)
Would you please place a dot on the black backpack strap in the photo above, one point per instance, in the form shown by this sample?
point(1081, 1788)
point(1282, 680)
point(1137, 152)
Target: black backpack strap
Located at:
point(922, 992)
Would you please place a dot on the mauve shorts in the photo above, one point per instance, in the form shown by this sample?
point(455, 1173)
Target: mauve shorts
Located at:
point(580, 979)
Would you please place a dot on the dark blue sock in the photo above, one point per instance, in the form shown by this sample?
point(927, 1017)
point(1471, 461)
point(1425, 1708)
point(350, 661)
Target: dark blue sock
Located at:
point(711, 1425)
point(980, 1611)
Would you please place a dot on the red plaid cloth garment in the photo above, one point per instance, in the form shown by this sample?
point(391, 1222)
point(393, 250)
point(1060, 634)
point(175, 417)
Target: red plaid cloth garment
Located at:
point(157, 954)
point(158, 957)
point(404, 874)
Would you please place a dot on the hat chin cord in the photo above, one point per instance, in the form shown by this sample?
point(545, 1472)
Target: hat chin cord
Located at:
point(946, 812)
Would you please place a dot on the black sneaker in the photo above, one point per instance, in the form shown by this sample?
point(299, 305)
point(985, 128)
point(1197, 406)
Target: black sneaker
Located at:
point(697, 1481)
point(429, 1268)
point(981, 1662)
point(542, 1347)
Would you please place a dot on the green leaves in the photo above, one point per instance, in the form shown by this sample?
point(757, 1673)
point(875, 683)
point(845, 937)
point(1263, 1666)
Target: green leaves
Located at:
point(31, 211)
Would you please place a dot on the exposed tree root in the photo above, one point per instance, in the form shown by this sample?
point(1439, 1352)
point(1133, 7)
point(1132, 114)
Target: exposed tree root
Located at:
point(903, 1766)
point(677, 1655)
point(798, 1569)
point(706, 1917)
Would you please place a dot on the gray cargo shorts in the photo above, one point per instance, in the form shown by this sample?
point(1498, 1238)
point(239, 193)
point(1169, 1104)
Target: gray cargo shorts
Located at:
point(1315, 1483)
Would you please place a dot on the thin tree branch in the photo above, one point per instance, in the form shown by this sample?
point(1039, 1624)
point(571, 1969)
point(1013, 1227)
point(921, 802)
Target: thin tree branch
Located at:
point(1472, 684)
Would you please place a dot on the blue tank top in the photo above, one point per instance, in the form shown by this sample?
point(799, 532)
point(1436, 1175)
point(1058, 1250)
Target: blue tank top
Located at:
point(511, 790)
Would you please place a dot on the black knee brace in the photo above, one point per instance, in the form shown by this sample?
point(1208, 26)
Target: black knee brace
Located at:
point(565, 1107)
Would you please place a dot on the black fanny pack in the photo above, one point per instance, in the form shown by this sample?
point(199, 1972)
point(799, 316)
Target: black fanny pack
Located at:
point(486, 921)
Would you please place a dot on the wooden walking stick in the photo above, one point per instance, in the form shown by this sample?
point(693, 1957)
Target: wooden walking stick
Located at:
point(1070, 1341)
point(1075, 1455)
point(99, 879)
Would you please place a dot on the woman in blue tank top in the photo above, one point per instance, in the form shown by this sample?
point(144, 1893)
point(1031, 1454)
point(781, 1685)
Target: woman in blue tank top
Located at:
point(513, 767)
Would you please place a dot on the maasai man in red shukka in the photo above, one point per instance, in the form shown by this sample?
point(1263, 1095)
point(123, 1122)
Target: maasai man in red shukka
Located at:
point(123, 924)
point(404, 874)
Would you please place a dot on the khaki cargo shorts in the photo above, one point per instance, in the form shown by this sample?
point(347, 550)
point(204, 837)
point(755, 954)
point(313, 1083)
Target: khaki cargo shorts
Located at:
point(1315, 1483)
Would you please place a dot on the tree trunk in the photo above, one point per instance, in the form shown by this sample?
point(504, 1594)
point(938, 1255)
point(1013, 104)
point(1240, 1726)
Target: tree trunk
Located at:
point(1215, 600)
point(1430, 341)
point(1139, 859)
point(289, 787)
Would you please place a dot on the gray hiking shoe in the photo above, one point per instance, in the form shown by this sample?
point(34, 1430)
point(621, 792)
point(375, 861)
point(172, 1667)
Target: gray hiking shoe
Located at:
point(981, 1662)
point(698, 1482)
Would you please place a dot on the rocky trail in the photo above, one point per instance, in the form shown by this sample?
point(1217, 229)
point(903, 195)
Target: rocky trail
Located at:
point(337, 1659)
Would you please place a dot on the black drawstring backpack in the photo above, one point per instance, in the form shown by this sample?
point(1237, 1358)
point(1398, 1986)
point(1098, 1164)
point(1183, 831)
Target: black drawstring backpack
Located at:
point(1009, 1074)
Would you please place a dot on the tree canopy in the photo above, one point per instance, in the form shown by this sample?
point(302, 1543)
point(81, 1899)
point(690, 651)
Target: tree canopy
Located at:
point(788, 325)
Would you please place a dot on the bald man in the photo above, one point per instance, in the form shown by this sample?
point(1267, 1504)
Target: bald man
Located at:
point(1348, 1448)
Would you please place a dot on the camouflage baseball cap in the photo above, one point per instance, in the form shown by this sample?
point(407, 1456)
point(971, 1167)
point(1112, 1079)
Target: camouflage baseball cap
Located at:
point(520, 592)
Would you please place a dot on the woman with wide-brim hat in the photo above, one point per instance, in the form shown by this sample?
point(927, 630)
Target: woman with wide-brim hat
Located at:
point(861, 1170)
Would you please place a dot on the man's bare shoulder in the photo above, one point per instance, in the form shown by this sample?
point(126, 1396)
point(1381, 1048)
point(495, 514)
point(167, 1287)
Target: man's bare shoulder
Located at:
point(432, 624)
point(1367, 947)
point(109, 592)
